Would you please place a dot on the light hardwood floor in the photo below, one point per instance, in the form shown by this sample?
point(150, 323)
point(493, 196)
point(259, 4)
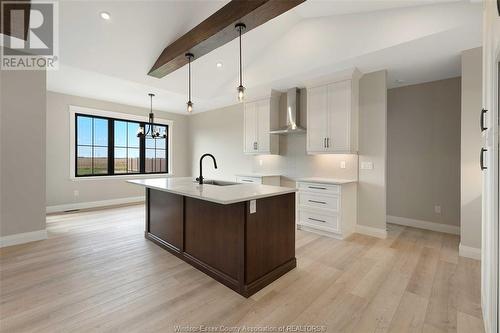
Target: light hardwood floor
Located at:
point(96, 272)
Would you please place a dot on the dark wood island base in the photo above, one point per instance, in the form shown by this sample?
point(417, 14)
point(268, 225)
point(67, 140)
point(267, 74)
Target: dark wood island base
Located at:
point(242, 250)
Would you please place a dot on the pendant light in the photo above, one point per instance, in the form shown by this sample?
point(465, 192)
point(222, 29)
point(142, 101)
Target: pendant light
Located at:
point(189, 103)
point(241, 90)
point(152, 132)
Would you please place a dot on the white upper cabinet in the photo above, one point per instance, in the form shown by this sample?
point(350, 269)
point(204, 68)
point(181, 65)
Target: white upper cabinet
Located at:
point(332, 117)
point(259, 117)
point(317, 115)
point(263, 126)
point(250, 127)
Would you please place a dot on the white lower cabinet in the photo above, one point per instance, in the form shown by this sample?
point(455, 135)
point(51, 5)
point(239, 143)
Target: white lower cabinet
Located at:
point(327, 209)
point(263, 180)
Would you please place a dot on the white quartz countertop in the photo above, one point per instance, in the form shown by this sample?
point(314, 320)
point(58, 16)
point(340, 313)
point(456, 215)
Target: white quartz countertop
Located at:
point(335, 181)
point(219, 194)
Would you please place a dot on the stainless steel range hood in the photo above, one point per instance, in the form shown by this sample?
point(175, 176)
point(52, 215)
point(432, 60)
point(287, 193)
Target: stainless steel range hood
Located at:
point(292, 114)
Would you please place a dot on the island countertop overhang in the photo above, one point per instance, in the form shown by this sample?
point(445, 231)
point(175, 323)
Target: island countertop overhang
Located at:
point(225, 195)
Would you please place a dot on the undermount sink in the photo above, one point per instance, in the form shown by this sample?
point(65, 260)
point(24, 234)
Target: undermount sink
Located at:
point(218, 182)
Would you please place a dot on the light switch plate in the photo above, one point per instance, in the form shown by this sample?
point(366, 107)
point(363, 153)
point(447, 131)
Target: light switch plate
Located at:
point(253, 206)
point(342, 164)
point(367, 165)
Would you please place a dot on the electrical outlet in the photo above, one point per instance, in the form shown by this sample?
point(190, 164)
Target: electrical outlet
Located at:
point(253, 206)
point(76, 193)
point(366, 165)
point(437, 209)
point(342, 164)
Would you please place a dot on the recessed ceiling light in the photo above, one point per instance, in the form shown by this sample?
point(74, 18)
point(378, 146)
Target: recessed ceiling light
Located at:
point(219, 65)
point(105, 16)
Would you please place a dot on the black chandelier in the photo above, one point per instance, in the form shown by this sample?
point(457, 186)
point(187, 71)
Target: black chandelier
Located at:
point(152, 132)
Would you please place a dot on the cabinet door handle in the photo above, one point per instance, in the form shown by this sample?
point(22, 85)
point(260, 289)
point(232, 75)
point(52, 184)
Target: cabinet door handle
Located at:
point(320, 202)
point(327, 142)
point(481, 120)
point(317, 220)
point(481, 159)
point(324, 142)
point(317, 187)
point(247, 180)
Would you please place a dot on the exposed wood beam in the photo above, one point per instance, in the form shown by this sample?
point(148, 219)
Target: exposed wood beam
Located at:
point(15, 28)
point(218, 30)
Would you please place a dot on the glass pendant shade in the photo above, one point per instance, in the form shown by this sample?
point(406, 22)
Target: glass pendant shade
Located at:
point(241, 93)
point(189, 106)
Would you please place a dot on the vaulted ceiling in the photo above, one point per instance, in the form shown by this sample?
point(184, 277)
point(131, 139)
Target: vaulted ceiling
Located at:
point(416, 41)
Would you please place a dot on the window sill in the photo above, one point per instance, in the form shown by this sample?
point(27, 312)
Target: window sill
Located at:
point(123, 177)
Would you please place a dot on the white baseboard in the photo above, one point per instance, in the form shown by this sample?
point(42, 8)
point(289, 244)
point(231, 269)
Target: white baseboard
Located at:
point(22, 238)
point(469, 252)
point(370, 231)
point(93, 204)
point(446, 228)
point(320, 232)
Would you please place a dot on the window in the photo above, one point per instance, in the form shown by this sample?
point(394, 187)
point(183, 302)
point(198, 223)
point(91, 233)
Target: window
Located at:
point(156, 153)
point(106, 146)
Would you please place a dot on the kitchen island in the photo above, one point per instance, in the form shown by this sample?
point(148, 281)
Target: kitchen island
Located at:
point(242, 235)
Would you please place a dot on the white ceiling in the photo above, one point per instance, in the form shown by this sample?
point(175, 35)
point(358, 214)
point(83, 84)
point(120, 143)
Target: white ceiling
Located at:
point(416, 41)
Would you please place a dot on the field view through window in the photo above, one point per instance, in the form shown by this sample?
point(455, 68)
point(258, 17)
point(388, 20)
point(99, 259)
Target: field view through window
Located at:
point(107, 146)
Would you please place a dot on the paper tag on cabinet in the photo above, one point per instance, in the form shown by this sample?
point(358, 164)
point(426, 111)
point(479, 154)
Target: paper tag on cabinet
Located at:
point(253, 206)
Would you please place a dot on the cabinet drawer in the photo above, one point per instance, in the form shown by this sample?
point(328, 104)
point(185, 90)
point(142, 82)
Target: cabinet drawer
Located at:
point(250, 180)
point(320, 188)
point(326, 221)
point(317, 200)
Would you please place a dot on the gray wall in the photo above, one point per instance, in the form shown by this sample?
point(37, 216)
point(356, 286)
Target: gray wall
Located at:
point(220, 132)
point(471, 143)
point(60, 188)
point(373, 148)
point(22, 151)
point(424, 151)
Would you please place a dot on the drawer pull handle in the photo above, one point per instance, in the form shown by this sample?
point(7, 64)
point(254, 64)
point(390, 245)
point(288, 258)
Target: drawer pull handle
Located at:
point(317, 187)
point(320, 202)
point(481, 122)
point(481, 159)
point(247, 180)
point(317, 220)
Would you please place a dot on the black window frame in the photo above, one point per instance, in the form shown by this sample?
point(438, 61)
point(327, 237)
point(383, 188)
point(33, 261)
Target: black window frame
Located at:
point(111, 148)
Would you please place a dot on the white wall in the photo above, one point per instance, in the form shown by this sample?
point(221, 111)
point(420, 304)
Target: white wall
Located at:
point(373, 148)
point(60, 188)
point(471, 143)
point(22, 152)
point(424, 152)
point(219, 132)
